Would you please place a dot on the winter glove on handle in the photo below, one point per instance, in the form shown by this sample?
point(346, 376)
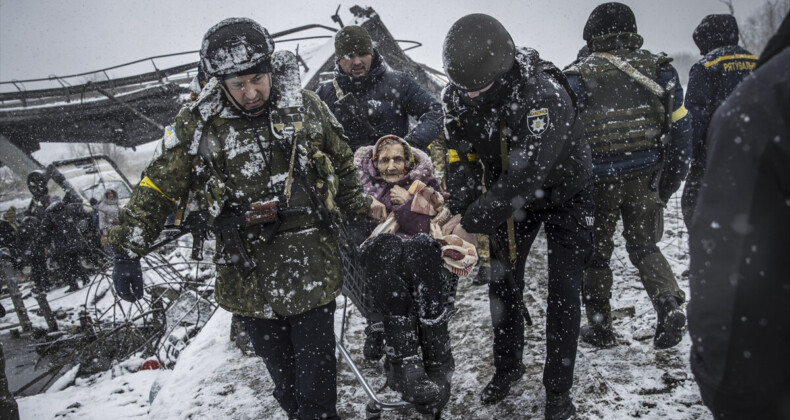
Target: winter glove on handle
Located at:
point(127, 275)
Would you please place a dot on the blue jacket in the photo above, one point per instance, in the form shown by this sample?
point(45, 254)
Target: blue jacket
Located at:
point(390, 97)
point(723, 65)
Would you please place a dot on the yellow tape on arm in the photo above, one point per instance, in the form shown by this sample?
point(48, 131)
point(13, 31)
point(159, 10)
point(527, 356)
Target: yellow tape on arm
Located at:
point(147, 183)
point(679, 113)
point(453, 156)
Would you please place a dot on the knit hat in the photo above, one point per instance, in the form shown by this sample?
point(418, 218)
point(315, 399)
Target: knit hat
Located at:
point(716, 31)
point(352, 40)
point(609, 18)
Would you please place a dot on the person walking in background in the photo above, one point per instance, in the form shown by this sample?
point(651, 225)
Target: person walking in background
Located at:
point(631, 102)
point(711, 80)
point(739, 311)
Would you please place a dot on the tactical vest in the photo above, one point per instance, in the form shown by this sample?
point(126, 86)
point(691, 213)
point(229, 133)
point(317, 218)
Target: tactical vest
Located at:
point(621, 115)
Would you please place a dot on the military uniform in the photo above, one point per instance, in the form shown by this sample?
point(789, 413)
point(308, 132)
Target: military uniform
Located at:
point(635, 173)
point(234, 160)
point(547, 182)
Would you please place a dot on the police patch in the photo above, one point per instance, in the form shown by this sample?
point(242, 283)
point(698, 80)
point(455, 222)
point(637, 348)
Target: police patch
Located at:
point(538, 121)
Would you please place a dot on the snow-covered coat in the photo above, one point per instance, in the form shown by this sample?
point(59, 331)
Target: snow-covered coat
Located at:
point(390, 97)
point(739, 311)
point(246, 163)
point(549, 160)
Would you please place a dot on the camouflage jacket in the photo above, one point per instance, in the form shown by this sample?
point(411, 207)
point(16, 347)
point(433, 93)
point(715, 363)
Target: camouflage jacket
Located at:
point(232, 160)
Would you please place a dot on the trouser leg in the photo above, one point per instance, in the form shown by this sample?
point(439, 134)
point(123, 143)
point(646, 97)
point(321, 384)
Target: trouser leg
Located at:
point(570, 246)
point(299, 354)
point(8, 406)
point(598, 278)
point(383, 261)
point(506, 300)
point(422, 262)
point(688, 199)
point(643, 217)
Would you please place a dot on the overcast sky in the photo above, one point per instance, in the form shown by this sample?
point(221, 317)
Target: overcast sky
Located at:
point(39, 38)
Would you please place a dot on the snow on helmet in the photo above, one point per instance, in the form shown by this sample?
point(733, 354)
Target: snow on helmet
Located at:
point(235, 47)
point(477, 51)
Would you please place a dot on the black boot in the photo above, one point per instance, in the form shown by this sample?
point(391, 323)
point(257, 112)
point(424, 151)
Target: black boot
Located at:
point(500, 384)
point(670, 323)
point(599, 330)
point(374, 341)
point(483, 275)
point(406, 373)
point(559, 405)
point(437, 357)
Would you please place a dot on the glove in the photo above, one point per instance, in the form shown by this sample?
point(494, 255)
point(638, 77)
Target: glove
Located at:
point(127, 276)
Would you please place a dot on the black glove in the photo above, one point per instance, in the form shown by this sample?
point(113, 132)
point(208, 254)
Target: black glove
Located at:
point(127, 275)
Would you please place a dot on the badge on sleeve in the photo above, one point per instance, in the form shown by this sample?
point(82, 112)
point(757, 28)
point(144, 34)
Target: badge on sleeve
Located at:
point(538, 121)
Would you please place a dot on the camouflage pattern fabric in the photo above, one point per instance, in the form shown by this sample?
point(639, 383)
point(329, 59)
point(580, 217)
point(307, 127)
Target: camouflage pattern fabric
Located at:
point(243, 162)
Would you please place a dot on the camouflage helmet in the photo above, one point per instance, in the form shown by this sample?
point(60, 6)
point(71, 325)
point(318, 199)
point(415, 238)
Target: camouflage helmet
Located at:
point(477, 51)
point(235, 47)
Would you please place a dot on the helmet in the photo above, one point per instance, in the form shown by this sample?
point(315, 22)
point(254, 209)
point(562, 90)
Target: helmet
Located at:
point(235, 47)
point(609, 18)
point(477, 51)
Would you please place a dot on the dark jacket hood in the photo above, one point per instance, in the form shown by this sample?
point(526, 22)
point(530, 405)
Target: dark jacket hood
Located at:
point(716, 31)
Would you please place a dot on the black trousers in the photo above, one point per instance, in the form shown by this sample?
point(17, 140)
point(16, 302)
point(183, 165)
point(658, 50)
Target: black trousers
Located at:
point(405, 275)
point(569, 235)
point(299, 352)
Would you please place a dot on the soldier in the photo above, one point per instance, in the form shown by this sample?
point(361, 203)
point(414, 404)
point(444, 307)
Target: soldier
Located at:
point(371, 100)
point(522, 163)
point(628, 98)
point(278, 265)
point(723, 65)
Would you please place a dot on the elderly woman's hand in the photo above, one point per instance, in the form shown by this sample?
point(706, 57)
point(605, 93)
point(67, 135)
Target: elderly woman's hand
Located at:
point(399, 195)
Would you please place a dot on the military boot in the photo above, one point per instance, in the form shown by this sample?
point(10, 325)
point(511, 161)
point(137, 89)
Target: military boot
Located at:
point(670, 323)
point(599, 330)
point(406, 373)
point(437, 356)
point(559, 405)
point(499, 386)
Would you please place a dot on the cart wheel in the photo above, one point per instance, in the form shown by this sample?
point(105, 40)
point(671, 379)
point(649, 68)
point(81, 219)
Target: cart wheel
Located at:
point(372, 411)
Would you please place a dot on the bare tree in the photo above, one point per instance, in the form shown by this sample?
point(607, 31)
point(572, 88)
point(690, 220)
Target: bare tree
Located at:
point(762, 25)
point(729, 5)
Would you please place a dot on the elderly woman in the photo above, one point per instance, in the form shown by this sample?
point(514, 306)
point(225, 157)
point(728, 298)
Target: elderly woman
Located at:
point(403, 263)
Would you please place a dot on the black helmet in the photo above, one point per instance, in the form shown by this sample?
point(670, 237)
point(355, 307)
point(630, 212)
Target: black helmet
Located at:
point(477, 51)
point(609, 18)
point(235, 47)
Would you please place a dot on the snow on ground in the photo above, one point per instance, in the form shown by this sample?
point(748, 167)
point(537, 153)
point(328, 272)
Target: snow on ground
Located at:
point(213, 379)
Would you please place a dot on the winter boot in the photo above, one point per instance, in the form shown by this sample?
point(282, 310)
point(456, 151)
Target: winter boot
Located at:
point(406, 373)
point(483, 275)
point(437, 357)
point(498, 388)
point(670, 323)
point(559, 405)
point(374, 341)
point(598, 331)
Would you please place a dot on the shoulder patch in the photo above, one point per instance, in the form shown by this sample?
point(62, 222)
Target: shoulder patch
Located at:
point(538, 121)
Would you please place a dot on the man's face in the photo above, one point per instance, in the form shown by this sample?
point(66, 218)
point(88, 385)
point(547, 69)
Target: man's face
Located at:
point(391, 162)
point(250, 91)
point(356, 65)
